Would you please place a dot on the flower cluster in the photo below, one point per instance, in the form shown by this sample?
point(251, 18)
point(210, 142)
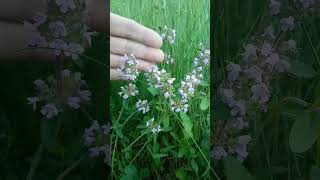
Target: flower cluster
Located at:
point(191, 81)
point(55, 33)
point(143, 106)
point(95, 138)
point(247, 84)
point(129, 70)
point(128, 90)
point(155, 129)
point(162, 80)
point(168, 59)
point(168, 34)
point(50, 103)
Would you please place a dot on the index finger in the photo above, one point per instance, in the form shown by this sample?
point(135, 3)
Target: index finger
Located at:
point(127, 28)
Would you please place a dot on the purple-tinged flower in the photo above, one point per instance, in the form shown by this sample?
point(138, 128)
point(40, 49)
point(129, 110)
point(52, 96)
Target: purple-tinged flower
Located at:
point(57, 29)
point(129, 70)
point(40, 85)
point(66, 5)
point(38, 19)
point(219, 153)
point(306, 3)
point(274, 7)
point(282, 66)
point(227, 96)
point(128, 90)
point(38, 41)
point(241, 147)
point(49, 110)
point(233, 71)
point(58, 46)
point(85, 95)
point(250, 50)
point(287, 24)
point(74, 102)
point(94, 152)
point(272, 59)
point(106, 154)
point(239, 108)
point(238, 123)
point(74, 50)
point(254, 73)
point(266, 49)
point(260, 93)
point(291, 45)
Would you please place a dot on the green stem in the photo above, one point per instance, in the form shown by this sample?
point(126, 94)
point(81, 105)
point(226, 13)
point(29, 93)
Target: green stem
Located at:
point(71, 168)
point(140, 150)
point(35, 162)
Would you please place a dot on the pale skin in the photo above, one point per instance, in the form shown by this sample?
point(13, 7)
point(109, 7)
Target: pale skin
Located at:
point(126, 36)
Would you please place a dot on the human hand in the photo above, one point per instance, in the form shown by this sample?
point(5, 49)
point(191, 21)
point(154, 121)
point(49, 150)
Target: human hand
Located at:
point(14, 35)
point(130, 37)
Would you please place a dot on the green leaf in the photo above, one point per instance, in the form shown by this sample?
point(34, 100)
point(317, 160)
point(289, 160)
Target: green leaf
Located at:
point(159, 155)
point(153, 90)
point(166, 121)
point(235, 171)
point(222, 112)
point(304, 132)
point(181, 174)
point(204, 105)
point(301, 69)
point(194, 165)
point(314, 173)
point(131, 172)
point(187, 125)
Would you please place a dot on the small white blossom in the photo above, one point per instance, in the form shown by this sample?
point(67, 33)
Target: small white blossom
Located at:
point(128, 90)
point(143, 106)
point(49, 110)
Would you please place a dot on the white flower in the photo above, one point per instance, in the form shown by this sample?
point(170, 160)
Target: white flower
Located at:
point(33, 101)
point(150, 123)
point(74, 50)
point(156, 129)
point(128, 90)
point(57, 29)
point(166, 95)
point(129, 70)
point(49, 110)
point(143, 106)
point(58, 45)
point(66, 5)
point(287, 24)
point(85, 95)
point(74, 102)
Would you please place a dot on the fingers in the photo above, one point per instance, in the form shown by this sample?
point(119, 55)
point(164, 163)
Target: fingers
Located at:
point(116, 75)
point(129, 29)
point(21, 9)
point(14, 39)
point(116, 61)
point(96, 16)
point(123, 46)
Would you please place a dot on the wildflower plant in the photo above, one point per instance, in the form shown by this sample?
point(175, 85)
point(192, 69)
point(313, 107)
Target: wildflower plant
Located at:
point(164, 125)
point(60, 96)
point(252, 95)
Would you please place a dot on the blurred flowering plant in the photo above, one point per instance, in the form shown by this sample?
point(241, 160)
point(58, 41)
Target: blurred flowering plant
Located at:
point(247, 89)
